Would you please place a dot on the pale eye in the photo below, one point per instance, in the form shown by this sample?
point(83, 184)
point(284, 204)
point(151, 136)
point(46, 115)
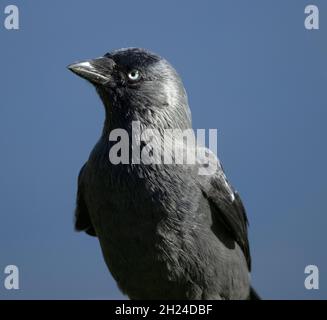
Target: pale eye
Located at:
point(134, 75)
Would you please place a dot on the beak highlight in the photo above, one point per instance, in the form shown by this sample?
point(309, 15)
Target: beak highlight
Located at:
point(96, 71)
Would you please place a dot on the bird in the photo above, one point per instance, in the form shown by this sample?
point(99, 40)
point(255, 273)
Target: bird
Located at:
point(165, 231)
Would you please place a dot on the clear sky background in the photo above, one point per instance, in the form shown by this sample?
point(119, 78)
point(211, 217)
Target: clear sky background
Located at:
point(251, 70)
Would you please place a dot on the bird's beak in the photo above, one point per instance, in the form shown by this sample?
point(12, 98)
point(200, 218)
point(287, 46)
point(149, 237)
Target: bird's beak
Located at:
point(97, 71)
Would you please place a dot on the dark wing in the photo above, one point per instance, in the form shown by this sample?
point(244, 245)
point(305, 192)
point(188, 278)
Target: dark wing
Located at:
point(229, 210)
point(82, 217)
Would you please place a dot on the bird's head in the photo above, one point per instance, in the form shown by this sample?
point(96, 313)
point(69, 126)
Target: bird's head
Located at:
point(137, 85)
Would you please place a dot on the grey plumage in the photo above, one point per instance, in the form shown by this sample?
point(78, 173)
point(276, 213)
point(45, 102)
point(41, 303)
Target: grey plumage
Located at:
point(166, 232)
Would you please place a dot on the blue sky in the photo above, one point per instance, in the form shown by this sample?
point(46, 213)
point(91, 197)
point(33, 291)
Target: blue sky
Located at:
point(251, 70)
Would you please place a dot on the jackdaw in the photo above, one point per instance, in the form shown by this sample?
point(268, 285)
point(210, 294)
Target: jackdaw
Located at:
point(166, 231)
